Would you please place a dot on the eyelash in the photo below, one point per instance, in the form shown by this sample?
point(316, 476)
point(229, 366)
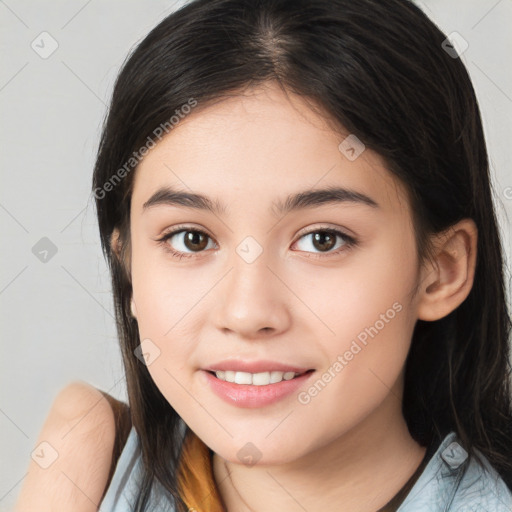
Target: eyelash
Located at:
point(350, 242)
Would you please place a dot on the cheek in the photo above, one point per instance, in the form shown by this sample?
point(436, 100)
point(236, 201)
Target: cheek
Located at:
point(370, 288)
point(166, 318)
point(167, 309)
point(368, 337)
point(364, 350)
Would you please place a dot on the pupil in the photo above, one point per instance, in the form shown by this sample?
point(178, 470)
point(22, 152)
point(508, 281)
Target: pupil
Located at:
point(195, 238)
point(321, 237)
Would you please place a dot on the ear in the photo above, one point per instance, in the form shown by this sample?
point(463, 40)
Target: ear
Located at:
point(133, 308)
point(120, 247)
point(447, 280)
point(115, 243)
point(116, 247)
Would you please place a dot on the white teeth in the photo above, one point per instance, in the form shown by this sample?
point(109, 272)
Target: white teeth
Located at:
point(260, 379)
point(243, 378)
point(256, 379)
point(276, 377)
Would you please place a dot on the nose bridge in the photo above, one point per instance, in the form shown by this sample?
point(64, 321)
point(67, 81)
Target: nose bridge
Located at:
point(252, 297)
point(250, 273)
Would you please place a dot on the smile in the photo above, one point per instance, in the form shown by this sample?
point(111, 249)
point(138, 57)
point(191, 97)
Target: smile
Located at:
point(253, 390)
point(255, 379)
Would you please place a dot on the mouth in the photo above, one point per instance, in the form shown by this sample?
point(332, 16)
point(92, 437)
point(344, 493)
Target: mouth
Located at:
point(255, 390)
point(256, 379)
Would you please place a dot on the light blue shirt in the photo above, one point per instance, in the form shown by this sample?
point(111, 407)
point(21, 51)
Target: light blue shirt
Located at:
point(451, 482)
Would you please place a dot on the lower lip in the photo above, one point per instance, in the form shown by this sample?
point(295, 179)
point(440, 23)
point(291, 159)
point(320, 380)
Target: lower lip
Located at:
point(250, 396)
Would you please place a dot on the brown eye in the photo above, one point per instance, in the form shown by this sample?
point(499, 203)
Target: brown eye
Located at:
point(195, 240)
point(325, 240)
point(185, 242)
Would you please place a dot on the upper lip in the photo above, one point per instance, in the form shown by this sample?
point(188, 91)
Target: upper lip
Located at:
point(254, 366)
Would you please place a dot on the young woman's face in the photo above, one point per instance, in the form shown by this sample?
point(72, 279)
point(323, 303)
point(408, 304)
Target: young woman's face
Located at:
point(268, 282)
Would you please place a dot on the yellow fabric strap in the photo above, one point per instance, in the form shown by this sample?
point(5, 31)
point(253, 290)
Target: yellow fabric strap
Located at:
point(195, 477)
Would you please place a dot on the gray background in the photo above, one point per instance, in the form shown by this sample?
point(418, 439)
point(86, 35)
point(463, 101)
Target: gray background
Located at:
point(56, 315)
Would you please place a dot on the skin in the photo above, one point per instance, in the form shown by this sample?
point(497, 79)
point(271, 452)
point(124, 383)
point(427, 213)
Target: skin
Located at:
point(349, 447)
point(70, 470)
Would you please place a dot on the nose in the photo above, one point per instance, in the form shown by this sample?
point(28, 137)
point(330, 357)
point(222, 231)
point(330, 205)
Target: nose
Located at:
point(252, 300)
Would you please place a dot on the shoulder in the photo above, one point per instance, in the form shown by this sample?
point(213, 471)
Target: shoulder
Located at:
point(71, 459)
point(84, 413)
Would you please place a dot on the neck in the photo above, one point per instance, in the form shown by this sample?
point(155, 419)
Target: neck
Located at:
point(360, 471)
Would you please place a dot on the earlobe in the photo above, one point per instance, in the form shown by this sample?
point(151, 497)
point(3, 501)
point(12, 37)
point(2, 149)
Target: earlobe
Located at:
point(133, 309)
point(447, 281)
point(115, 243)
point(120, 250)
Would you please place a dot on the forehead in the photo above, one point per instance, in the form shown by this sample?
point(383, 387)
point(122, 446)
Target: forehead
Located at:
point(255, 148)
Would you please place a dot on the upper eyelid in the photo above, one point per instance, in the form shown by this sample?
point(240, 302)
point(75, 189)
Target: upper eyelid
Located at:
point(325, 227)
point(180, 229)
point(302, 232)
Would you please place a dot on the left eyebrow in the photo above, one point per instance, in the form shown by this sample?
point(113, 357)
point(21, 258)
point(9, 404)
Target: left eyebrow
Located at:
point(319, 197)
point(301, 200)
